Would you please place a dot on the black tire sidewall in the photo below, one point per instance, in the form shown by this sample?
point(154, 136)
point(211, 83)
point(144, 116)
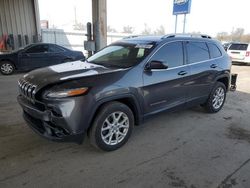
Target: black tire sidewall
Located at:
point(102, 115)
point(209, 105)
point(7, 62)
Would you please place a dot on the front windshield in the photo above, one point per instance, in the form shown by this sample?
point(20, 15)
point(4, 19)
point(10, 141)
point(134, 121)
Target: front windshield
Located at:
point(121, 55)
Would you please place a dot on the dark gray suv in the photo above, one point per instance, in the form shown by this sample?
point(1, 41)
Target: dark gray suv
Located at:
point(121, 85)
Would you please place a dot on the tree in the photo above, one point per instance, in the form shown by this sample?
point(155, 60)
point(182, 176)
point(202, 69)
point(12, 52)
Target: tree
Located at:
point(223, 36)
point(160, 30)
point(111, 30)
point(128, 29)
point(237, 34)
point(245, 38)
point(79, 26)
point(147, 30)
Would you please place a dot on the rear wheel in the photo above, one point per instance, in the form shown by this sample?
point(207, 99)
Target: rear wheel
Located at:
point(6, 67)
point(216, 99)
point(112, 126)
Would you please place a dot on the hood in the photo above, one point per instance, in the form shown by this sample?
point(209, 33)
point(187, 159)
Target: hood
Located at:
point(64, 72)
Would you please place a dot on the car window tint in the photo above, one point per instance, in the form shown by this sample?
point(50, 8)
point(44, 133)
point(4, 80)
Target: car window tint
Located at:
point(170, 54)
point(197, 51)
point(214, 50)
point(55, 49)
point(238, 47)
point(38, 49)
point(118, 53)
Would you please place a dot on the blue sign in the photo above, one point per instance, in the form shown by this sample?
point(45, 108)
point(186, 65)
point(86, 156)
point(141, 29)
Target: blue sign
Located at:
point(181, 7)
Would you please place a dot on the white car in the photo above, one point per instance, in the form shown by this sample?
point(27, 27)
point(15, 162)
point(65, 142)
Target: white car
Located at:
point(239, 52)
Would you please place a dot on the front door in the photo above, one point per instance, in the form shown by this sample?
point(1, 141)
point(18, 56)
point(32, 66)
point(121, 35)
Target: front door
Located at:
point(167, 88)
point(35, 57)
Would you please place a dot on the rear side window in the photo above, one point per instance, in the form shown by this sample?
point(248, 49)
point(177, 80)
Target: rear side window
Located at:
point(55, 49)
point(214, 50)
point(170, 54)
point(38, 49)
point(238, 47)
point(197, 52)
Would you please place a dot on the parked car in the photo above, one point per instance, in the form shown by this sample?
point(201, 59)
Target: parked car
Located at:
point(239, 52)
point(226, 45)
point(35, 56)
point(121, 85)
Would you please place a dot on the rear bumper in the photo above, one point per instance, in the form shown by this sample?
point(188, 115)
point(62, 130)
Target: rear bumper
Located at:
point(47, 125)
point(241, 60)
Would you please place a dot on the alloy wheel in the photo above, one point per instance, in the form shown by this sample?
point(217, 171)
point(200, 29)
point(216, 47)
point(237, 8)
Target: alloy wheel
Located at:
point(115, 128)
point(7, 68)
point(218, 98)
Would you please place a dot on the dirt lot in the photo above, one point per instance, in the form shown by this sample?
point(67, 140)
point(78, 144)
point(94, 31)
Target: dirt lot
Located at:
point(187, 149)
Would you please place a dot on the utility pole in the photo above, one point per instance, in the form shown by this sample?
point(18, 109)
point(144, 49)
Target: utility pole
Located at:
point(176, 21)
point(184, 24)
point(99, 20)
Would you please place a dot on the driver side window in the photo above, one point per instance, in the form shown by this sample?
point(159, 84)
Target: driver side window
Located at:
point(170, 54)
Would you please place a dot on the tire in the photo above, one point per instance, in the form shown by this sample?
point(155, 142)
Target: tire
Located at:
point(107, 133)
point(216, 98)
point(7, 68)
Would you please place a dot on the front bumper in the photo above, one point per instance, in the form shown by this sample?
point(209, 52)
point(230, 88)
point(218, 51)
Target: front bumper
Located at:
point(47, 124)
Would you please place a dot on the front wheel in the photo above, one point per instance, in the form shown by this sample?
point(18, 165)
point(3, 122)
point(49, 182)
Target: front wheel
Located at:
point(216, 98)
point(112, 126)
point(6, 68)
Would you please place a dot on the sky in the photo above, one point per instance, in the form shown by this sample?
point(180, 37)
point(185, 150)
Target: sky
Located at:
point(208, 17)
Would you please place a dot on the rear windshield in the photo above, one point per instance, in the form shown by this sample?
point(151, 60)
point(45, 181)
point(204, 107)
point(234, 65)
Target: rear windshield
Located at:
point(238, 47)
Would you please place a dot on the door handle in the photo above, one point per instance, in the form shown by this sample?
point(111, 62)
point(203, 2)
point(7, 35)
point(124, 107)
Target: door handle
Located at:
point(213, 66)
point(182, 73)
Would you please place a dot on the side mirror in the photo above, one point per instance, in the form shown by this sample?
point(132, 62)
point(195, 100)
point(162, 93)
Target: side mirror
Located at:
point(83, 59)
point(156, 65)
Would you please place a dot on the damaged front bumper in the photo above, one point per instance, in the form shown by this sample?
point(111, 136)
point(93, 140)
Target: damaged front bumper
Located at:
point(47, 124)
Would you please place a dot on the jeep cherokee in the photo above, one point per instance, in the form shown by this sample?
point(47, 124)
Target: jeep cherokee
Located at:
point(121, 85)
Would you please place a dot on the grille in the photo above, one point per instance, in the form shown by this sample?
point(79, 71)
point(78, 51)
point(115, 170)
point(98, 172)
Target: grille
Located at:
point(27, 89)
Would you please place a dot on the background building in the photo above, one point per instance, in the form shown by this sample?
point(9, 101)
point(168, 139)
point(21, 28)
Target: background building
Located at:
point(19, 23)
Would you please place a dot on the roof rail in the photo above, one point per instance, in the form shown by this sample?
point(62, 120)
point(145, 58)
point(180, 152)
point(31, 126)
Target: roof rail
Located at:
point(130, 37)
point(186, 35)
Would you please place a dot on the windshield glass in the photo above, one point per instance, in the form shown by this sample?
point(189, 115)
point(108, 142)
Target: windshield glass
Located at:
point(121, 55)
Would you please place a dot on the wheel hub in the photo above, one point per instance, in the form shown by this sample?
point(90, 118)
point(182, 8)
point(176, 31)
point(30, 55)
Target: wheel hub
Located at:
point(218, 98)
point(6, 68)
point(115, 128)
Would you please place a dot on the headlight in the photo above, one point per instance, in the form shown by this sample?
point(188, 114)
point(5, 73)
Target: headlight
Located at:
point(67, 93)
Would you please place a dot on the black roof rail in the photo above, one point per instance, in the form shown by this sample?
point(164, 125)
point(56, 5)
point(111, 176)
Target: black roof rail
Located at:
point(186, 35)
point(130, 37)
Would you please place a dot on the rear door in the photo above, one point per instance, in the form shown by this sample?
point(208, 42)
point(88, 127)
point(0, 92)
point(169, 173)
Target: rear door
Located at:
point(167, 88)
point(204, 67)
point(57, 55)
point(238, 51)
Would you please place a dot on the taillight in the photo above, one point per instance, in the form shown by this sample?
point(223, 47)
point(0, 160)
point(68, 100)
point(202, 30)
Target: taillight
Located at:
point(247, 54)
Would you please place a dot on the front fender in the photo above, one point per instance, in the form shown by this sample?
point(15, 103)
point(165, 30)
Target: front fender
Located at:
point(121, 98)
